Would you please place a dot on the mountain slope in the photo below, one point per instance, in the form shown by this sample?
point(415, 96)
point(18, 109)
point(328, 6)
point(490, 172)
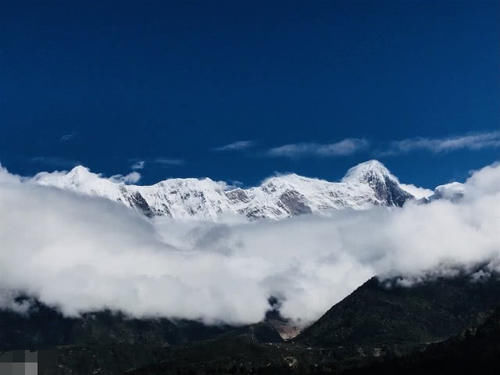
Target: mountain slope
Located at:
point(44, 327)
point(376, 322)
point(373, 325)
point(378, 318)
point(108, 342)
point(475, 348)
point(365, 185)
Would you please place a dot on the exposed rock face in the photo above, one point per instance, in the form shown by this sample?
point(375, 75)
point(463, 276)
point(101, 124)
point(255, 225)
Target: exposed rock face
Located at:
point(294, 203)
point(137, 201)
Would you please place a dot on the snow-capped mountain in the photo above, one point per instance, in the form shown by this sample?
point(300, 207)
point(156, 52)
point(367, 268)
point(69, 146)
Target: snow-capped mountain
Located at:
point(364, 186)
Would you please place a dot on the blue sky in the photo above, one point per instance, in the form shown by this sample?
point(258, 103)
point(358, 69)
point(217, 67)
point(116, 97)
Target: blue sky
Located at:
point(241, 90)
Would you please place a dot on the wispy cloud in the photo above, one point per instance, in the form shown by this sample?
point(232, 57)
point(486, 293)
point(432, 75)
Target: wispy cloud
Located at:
point(236, 146)
point(54, 161)
point(138, 165)
point(168, 161)
point(475, 141)
point(344, 147)
point(67, 137)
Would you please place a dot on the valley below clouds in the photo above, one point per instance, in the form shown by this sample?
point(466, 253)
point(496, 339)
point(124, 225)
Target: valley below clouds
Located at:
point(80, 253)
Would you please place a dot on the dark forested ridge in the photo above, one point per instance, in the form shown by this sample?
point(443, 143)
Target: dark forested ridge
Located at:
point(473, 350)
point(383, 316)
point(381, 326)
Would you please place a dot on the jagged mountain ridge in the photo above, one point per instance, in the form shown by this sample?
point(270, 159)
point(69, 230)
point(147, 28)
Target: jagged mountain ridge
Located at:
point(364, 186)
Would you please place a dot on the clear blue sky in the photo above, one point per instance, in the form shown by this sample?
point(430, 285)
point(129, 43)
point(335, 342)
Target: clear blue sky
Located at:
point(169, 82)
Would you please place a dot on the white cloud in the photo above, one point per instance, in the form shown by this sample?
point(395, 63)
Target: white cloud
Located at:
point(235, 146)
point(131, 178)
point(476, 141)
point(345, 147)
point(138, 165)
point(83, 253)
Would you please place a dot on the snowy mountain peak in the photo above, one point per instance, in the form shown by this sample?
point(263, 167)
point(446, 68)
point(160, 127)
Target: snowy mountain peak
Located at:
point(367, 185)
point(367, 171)
point(384, 184)
point(284, 180)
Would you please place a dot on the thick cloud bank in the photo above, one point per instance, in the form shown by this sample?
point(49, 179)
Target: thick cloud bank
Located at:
point(82, 253)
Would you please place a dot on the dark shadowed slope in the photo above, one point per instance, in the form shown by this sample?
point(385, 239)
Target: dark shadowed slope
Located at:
point(378, 318)
point(375, 322)
point(473, 350)
point(42, 327)
point(107, 342)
